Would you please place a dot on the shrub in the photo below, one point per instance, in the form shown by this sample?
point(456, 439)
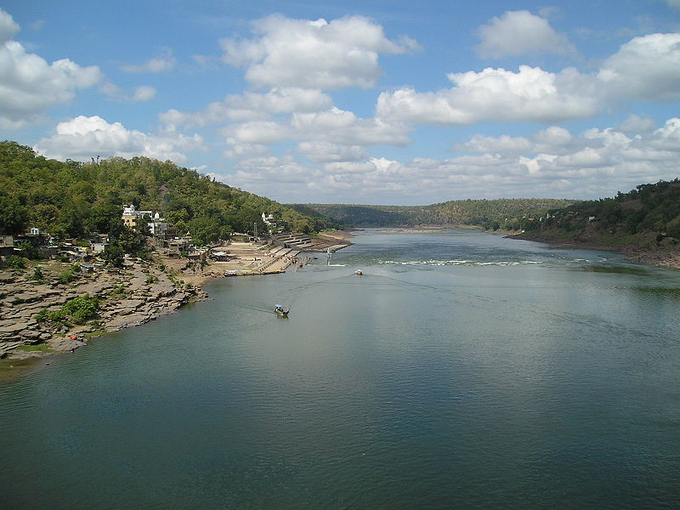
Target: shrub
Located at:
point(81, 309)
point(38, 275)
point(15, 262)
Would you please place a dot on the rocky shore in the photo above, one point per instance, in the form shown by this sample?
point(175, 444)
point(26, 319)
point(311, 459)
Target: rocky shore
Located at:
point(136, 294)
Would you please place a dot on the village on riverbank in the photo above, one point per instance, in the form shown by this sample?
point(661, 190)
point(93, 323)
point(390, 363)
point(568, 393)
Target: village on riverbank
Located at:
point(54, 306)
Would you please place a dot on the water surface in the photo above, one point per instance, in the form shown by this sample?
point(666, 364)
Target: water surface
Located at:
point(463, 370)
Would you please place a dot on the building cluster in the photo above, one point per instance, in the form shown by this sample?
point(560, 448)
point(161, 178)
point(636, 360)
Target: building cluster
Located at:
point(163, 237)
point(83, 251)
point(157, 226)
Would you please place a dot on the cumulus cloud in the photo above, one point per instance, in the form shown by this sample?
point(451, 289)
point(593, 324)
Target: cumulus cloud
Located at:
point(644, 69)
point(551, 162)
point(262, 132)
point(251, 106)
point(83, 137)
point(161, 64)
point(320, 151)
point(8, 27)
point(344, 127)
point(636, 124)
point(239, 150)
point(520, 33)
point(496, 94)
point(553, 139)
point(334, 126)
point(29, 85)
point(317, 54)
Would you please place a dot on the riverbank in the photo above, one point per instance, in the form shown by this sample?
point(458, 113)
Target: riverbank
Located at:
point(139, 292)
point(664, 254)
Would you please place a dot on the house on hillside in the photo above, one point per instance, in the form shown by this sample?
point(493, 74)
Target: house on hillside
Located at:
point(132, 217)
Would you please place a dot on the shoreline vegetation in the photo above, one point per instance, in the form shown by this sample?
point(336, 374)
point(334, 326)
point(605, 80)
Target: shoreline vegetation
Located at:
point(55, 314)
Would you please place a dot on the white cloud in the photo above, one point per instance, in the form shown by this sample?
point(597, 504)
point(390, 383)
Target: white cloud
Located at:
point(29, 85)
point(139, 94)
point(675, 4)
point(83, 137)
point(251, 106)
point(550, 163)
point(636, 124)
point(323, 151)
point(343, 127)
point(8, 27)
point(236, 149)
point(161, 64)
point(644, 69)
point(519, 33)
point(668, 136)
point(335, 126)
point(496, 94)
point(288, 52)
point(143, 94)
point(553, 139)
point(259, 132)
point(259, 172)
point(282, 100)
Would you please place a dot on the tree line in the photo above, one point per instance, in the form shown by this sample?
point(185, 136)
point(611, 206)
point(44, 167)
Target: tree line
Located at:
point(73, 200)
point(499, 214)
point(650, 211)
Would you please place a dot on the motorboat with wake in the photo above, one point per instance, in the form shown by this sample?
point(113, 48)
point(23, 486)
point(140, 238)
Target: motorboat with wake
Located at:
point(280, 311)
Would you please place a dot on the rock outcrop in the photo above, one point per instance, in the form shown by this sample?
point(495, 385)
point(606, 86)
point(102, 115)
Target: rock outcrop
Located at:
point(140, 293)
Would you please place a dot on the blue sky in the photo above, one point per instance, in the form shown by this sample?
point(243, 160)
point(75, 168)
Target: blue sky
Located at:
point(371, 102)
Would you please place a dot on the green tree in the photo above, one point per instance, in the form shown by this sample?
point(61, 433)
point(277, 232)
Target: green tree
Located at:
point(28, 250)
point(13, 218)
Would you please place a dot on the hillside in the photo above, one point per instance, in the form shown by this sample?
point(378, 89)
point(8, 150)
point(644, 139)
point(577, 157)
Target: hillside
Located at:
point(504, 214)
point(643, 223)
point(72, 199)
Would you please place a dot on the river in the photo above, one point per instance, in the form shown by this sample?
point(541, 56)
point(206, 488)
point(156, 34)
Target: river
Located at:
point(462, 370)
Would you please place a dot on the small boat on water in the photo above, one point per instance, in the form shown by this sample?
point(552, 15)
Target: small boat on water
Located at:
point(358, 272)
point(280, 311)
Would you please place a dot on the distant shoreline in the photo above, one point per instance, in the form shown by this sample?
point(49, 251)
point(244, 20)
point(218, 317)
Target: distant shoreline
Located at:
point(664, 258)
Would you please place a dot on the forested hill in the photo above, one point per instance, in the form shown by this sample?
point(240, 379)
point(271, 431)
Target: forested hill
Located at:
point(72, 199)
point(647, 217)
point(505, 214)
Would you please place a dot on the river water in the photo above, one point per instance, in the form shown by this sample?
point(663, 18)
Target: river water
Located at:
point(462, 370)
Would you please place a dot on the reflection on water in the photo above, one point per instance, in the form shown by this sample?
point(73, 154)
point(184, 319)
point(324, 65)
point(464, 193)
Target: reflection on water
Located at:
point(527, 377)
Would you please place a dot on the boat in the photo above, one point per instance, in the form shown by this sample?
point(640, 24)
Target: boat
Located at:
point(280, 311)
point(358, 272)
